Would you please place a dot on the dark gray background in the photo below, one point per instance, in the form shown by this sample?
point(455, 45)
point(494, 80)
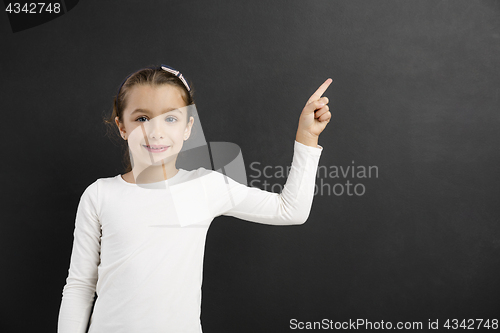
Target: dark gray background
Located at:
point(415, 93)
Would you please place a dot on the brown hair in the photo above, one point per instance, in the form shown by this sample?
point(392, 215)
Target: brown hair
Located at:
point(153, 76)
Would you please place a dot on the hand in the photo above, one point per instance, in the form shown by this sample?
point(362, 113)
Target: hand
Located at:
point(314, 117)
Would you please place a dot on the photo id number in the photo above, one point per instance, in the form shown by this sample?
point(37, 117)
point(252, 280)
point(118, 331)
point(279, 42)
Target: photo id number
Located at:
point(33, 7)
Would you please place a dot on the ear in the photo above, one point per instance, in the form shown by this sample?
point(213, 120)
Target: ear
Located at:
point(189, 126)
point(120, 126)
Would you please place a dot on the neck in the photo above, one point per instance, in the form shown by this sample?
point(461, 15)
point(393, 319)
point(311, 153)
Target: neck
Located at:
point(154, 173)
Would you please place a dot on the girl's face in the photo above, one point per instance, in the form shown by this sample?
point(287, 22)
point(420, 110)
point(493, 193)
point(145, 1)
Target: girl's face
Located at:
point(155, 116)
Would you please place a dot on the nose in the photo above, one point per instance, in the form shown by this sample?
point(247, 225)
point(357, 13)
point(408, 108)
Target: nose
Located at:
point(156, 128)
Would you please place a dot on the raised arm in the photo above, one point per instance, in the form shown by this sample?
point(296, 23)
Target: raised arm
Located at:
point(293, 204)
point(78, 293)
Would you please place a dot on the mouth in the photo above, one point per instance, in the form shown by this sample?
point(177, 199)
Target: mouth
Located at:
point(155, 148)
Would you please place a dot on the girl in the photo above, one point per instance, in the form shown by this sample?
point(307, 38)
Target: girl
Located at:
point(139, 237)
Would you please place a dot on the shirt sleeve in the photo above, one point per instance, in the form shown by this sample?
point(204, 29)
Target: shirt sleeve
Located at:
point(291, 206)
point(78, 293)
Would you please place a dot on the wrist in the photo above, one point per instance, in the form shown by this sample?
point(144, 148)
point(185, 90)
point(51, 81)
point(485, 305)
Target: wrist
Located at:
point(307, 138)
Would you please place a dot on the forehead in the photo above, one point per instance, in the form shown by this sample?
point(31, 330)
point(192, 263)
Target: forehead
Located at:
point(154, 98)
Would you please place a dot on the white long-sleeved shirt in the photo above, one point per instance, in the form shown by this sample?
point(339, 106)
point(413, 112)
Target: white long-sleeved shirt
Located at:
point(141, 249)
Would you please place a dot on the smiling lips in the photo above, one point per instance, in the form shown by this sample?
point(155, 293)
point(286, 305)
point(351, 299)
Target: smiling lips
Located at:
point(156, 148)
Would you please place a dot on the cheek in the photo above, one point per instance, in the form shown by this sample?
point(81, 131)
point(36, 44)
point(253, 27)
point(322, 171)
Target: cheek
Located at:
point(177, 132)
point(136, 134)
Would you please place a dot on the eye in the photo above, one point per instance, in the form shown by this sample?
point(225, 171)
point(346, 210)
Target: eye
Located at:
point(169, 119)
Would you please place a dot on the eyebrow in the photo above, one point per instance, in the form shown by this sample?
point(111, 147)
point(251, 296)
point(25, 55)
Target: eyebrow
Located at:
point(147, 111)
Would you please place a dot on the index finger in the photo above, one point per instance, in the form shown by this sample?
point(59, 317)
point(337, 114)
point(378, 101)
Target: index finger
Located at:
point(321, 90)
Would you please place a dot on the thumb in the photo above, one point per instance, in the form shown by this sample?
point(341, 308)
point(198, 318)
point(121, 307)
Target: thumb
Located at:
point(312, 106)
